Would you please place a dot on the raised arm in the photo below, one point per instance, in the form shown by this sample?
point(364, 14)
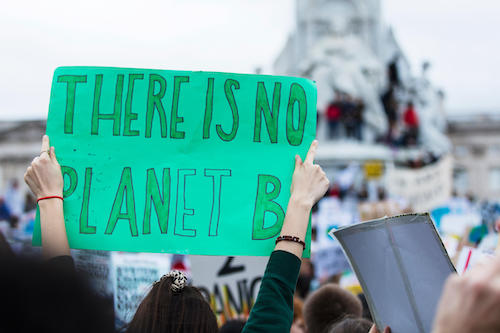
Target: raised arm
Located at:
point(44, 178)
point(309, 184)
point(273, 310)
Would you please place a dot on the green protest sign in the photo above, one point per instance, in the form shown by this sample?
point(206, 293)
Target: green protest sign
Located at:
point(176, 161)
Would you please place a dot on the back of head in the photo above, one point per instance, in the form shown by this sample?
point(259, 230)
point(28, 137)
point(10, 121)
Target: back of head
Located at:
point(49, 297)
point(328, 305)
point(351, 325)
point(164, 310)
point(233, 326)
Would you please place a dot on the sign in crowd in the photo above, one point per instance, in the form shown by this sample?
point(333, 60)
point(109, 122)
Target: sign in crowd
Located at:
point(177, 162)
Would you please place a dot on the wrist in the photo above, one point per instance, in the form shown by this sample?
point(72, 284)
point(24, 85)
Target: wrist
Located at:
point(300, 202)
point(49, 200)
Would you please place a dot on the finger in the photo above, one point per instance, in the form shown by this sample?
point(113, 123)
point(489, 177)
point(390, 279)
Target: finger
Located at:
point(45, 144)
point(387, 329)
point(373, 329)
point(298, 161)
point(53, 154)
point(312, 152)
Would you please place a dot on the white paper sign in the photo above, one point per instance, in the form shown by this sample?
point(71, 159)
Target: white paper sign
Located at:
point(425, 188)
point(329, 261)
point(133, 275)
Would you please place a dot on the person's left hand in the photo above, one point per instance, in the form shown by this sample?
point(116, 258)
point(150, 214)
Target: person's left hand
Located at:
point(44, 176)
point(375, 330)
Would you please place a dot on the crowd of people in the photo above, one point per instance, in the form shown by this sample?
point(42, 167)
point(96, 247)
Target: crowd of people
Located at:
point(345, 117)
point(50, 296)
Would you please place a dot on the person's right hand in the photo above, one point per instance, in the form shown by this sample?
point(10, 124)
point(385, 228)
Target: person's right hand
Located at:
point(44, 176)
point(309, 182)
point(471, 302)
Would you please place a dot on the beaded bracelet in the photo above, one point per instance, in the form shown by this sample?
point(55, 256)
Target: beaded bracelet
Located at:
point(50, 197)
point(291, 239)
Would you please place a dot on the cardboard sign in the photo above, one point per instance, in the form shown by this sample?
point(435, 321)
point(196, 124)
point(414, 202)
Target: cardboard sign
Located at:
point(230, 284)
point(401, 264)
point(177, 162)
point(329, 261)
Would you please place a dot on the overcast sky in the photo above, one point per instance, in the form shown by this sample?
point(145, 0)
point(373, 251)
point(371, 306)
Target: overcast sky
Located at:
point(460, 38)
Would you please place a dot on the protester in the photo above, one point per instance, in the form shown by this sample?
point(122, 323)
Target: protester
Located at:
point(333, 115)
point(349, 117)
point(14, 199)
point(390, 107)
point(411, 122)
point(328, 305)
point(4, 210)
point(358, 119)
point(171, 306)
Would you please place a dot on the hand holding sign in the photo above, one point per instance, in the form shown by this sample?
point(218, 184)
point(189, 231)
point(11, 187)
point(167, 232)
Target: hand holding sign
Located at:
point(309, 182)
point(44, 175)
point(45, 180)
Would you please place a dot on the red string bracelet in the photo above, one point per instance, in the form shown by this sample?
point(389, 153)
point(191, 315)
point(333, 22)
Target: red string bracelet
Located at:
point(50, 197)
point(291, 239)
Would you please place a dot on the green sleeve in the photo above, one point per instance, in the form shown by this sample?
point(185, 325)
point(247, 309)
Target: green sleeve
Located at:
point(273, 310)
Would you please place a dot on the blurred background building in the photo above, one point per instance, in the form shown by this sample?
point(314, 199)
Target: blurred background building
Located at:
point(476, 152)
point(380, 124)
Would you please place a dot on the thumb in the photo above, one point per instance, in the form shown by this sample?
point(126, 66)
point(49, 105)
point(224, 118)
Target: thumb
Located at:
point(298, 161)
point(53, 154)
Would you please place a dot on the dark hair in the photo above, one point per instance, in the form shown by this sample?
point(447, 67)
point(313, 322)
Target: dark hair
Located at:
point(165, 311)
point(351, 325)
point(50, 297)
point(328, 305)
point(233, 326)
point(366, 310)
